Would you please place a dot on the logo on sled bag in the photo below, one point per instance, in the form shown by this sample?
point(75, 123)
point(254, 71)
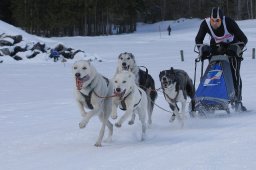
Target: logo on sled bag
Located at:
point(213, 78)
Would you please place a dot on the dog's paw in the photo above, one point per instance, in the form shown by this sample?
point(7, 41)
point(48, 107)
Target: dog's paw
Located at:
point(98, 144)
point(114, 116)
point(82, 124)
point(142, 139)
point(172, 119)
point(193, 114)
point(149, 122)
point(118, 125)
point(131, 122)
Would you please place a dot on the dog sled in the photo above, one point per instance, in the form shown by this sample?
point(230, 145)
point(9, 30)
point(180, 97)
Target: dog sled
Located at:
point(216, 88)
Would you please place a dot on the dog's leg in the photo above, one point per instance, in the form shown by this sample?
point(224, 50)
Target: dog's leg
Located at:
point(104, 119)
point(150, 108)
point(88, 116)
point(114, 111)
point(181, 120)
point(142, 117)
point(103, 115)
point(183, 106)
point(182, 113)
point(175, 111)
point(86, 119)
point(128, 112)
point(102, 130)
point(131, 122)
point(147, 105)
point(82, 123)
point(110, 134)
point(108, 109)
point(172, 117)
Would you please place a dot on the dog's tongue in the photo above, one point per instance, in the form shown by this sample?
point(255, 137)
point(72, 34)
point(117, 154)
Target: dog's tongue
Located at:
point(79, 83)
point(125, 67)
point(117, 93)
point(120, 94)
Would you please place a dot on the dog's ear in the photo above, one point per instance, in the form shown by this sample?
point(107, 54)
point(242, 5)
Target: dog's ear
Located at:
point(132, 56)
point(120, 55)
point(88, 61)
point(173, 72)
point(160, 74)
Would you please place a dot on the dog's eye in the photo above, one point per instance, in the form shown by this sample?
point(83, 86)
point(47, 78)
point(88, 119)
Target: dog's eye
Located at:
point(121, 58)
point(124, 81)
point(75, 68)
point(128, 58)
point(84, 68)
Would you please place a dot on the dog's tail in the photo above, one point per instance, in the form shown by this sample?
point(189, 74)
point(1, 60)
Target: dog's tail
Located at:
point(145, 74)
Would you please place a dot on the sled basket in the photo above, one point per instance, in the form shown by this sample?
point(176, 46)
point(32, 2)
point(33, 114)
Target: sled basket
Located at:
point(216, 88)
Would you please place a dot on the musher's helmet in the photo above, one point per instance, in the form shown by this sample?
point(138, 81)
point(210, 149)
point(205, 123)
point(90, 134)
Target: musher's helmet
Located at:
point(216, 17)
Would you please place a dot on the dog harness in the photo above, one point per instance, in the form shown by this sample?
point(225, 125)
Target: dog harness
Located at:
point(226, 38)
point(88, 97)
point(174, 100)
point(123, 105)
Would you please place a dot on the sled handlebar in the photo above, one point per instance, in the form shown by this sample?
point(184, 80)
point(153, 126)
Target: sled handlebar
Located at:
point(196, 50)
point(197, 47)
point(243, 45)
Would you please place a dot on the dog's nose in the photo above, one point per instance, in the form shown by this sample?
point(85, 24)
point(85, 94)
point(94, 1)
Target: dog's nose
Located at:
point(77, 74)
point(164, 79)
point(123, 64)
point(118, 90)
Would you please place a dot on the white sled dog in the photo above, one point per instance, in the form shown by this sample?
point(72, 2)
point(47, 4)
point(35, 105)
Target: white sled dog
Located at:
point(176, 85)
point(91, 88)
point(131, 98)
point(126, 61)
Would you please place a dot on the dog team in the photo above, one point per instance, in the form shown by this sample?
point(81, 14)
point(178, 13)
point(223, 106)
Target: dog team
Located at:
point(131, 89)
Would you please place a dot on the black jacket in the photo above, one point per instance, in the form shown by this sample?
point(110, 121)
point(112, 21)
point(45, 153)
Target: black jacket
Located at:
point(232, 28)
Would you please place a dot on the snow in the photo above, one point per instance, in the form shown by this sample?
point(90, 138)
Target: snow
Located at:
point(39, 117)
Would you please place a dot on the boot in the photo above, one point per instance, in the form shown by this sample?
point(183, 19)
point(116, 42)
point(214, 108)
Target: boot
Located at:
point(243, 108)
point(239, 107)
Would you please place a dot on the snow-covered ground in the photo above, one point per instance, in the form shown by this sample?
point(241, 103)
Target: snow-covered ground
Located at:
point(39, 117)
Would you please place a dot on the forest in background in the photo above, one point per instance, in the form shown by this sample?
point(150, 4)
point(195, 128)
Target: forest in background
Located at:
point(106, 17)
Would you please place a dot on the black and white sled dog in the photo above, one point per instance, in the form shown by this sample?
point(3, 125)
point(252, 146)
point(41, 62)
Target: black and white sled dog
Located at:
point(91, 89)
point(131, 98)
point(176, 85)
point(126, 61)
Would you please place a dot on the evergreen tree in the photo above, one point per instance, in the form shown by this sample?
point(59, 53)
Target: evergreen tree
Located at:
point(102, 17)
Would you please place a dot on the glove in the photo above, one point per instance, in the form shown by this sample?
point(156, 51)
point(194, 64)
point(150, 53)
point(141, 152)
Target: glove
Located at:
point(204, 51)
point(234, 50)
